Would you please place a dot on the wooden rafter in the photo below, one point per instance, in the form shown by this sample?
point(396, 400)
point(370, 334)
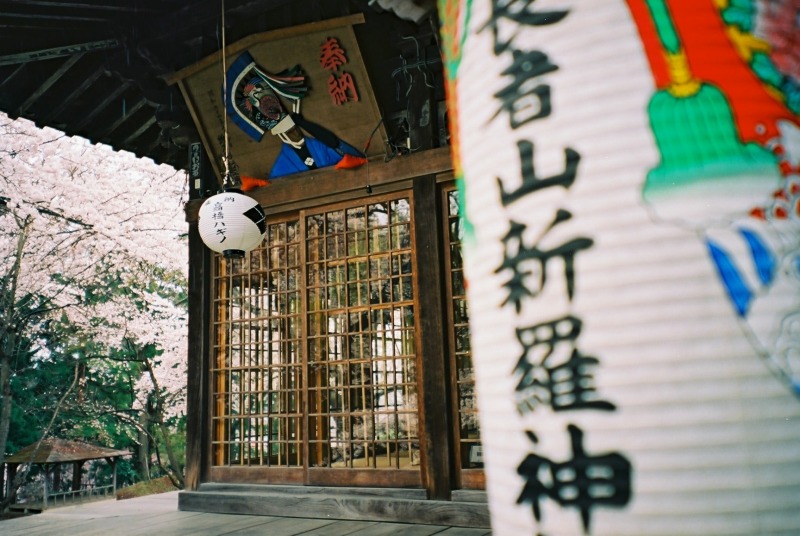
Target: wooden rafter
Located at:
point(58, 52)
point(47, 84)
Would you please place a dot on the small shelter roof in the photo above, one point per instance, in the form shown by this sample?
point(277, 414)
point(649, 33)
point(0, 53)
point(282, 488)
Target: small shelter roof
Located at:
point(53, 450)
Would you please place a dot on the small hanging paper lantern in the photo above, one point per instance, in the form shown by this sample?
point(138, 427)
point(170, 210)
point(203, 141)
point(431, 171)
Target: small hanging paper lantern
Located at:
point(232, 223)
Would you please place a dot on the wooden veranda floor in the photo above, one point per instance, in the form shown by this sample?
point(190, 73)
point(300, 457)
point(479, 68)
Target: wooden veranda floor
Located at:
point(159, 515)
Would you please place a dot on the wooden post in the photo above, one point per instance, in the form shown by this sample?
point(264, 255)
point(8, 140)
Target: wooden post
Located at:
point(44, 488)
point(11, 476)
point(57, 478)
point(432, 351)
point(77, 467)
point(197, 395)
point(113, 462)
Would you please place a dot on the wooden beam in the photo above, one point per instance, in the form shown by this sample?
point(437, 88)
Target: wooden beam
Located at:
point(58, 52)
point(47, 84)
point(85, 84)
point(206, 141)
point(82, 6)
point(19, 73)
point(121, 119)
point(49, 20)
point(151, 120)
point(340, 503)
point(310, 187)
point(100, 106)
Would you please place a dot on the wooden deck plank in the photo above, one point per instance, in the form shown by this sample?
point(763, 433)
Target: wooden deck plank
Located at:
point(41, 530)
point(21, 525)
point(159, 515)
point(285, 526)
point(399, 529)
point(82, 518)
point(98, 526)
point(464, 531)
point(341, 528)
point(205, 525)
point(147, 524)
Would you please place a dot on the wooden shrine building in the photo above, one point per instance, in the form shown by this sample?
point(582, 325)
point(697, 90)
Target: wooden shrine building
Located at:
point(334, 361)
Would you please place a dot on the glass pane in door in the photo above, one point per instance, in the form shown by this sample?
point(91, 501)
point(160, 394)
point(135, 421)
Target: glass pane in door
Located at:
point(256, 360)
point(360, 327)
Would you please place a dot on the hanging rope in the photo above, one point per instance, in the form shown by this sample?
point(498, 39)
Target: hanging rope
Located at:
point(226, 179)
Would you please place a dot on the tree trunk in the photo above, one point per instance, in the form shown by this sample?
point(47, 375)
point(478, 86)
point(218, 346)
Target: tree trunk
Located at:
point(173, 460)
point(8, 335)
point(144, 444)
point(5, 394)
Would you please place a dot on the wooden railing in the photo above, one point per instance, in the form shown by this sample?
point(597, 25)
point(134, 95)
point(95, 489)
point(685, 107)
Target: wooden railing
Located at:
point(80, 495)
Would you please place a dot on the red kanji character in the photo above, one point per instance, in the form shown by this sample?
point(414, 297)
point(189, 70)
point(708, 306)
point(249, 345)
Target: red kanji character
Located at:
point(342, 89)
point(331, 55)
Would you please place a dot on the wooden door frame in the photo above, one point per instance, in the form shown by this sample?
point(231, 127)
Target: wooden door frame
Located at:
point(332, 476)
point(464, 478)
point(420, 172)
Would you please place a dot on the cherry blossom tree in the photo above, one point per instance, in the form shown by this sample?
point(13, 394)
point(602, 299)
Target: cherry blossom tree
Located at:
point(95, 239)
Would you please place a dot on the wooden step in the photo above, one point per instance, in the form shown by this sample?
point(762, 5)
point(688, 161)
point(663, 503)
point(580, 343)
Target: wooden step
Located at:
point(365, 504)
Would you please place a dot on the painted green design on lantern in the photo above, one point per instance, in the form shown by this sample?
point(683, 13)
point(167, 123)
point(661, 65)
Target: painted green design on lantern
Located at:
point(699, 144)
point(766, 71)
point(696, 134)
point(740, 13)
point(666, 30)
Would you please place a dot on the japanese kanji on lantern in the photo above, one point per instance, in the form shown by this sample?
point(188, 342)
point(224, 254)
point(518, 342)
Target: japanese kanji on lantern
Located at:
point(631, 179)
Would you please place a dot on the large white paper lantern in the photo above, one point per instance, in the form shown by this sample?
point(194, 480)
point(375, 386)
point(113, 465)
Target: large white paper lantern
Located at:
point(232, 223)
point(632, 246)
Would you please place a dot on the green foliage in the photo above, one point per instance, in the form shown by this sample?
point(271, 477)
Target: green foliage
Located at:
point(177, 427)
point(103, 473)
point(25, 427)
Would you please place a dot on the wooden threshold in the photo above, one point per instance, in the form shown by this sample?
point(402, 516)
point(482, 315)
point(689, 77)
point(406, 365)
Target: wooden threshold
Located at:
point(363, 504)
